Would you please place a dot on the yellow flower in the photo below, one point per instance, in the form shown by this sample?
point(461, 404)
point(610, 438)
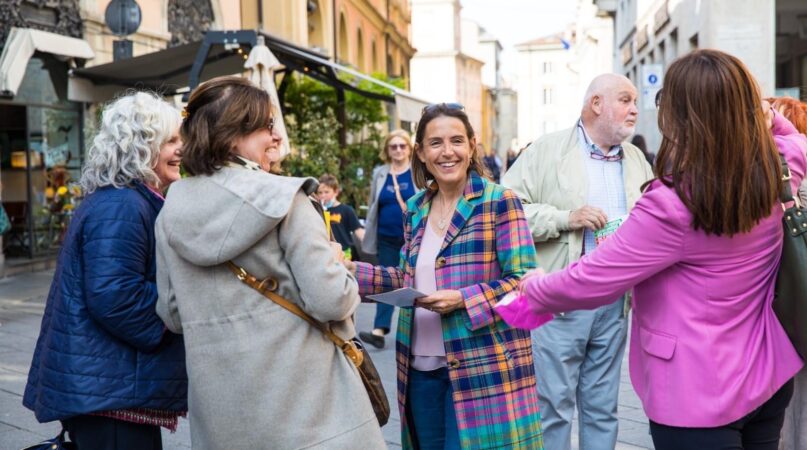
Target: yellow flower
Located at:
point(67, 207)
point(49, 192)
point(62, 190)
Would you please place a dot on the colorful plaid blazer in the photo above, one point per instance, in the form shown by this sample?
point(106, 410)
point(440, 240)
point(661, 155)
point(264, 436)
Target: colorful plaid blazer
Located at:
point(487, 248)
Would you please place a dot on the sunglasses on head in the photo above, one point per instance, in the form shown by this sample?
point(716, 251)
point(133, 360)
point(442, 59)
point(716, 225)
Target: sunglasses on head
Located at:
point(435, 106)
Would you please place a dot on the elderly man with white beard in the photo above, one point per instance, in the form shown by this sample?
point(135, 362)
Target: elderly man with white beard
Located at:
point(577, 185)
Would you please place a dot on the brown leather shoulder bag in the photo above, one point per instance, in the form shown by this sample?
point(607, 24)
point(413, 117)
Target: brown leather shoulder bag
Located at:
point(352, 348)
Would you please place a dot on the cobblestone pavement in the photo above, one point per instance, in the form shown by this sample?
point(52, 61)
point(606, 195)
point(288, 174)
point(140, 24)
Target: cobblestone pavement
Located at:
point(22, 299)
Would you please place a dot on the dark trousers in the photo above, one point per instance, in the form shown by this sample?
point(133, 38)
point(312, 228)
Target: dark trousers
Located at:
point(430, 409)
point(104, 433)
point(389, 255)
point(759, 430)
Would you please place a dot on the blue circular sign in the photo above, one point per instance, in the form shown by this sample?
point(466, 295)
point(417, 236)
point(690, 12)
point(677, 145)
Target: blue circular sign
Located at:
point(653, 79)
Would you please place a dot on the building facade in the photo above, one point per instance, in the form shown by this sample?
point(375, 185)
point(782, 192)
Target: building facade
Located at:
point(371, 35)
point(770, 36)
point(441, 70)
point(554, 72)
point(547, 86)
point(44, 135)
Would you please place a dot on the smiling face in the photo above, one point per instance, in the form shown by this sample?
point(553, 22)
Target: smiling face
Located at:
point(261, 146)
point(446, 152)
point(167, 167)
point(398, 150)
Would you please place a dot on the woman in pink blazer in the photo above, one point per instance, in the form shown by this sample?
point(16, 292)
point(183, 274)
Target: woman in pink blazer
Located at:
point(708, 358)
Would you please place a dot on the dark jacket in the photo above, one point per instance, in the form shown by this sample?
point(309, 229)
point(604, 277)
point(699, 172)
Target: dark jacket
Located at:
point(102, 346)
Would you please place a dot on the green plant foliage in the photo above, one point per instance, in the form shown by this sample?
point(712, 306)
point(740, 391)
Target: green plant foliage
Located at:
point(310, 111)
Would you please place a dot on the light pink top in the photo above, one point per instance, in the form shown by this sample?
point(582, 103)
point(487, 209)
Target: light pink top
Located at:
point(428, 351)
point(705, 348)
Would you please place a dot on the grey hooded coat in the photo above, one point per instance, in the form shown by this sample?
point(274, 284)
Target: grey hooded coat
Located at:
point(259, 377)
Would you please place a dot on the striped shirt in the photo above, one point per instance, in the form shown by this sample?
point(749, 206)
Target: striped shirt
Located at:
point(606, 185)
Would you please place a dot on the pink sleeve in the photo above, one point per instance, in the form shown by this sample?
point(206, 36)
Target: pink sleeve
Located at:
point(650, 240)
point(793, 146)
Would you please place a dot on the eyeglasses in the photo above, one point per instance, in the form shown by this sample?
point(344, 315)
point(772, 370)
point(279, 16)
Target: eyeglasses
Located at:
point(435, 106)
point(658, 98)
point(397, 146)
point(607, 158)
point(271, 125)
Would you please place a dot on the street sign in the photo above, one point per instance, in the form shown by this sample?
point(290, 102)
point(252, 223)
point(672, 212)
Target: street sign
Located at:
point(652, 79)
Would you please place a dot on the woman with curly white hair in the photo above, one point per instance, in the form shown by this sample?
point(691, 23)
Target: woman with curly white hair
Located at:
point(104, 364)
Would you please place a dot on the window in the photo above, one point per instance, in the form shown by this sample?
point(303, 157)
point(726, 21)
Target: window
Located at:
point(547, 96)
point(547, 67)
point(673, 45)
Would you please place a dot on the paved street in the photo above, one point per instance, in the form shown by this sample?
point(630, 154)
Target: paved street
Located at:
point(22, 300)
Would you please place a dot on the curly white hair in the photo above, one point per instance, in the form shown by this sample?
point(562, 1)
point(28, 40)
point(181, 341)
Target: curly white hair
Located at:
point(127, 146)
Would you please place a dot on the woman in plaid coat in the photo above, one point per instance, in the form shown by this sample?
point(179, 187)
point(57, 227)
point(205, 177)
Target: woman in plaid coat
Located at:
point(465, 378)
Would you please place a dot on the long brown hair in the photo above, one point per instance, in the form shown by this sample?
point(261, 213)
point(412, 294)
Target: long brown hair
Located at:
point(717, 151)
point(420, 174)
point(220, 111)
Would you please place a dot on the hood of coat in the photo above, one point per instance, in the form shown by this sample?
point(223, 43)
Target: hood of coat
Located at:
point(209, 220)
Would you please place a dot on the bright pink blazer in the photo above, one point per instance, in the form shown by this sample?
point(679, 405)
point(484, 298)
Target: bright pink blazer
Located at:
point(706, 347)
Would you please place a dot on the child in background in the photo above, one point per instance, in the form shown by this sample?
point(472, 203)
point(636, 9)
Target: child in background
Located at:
point(343, 218)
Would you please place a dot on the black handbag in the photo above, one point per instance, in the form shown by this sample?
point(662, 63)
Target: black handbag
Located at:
point(60, 442)
point(790, 301)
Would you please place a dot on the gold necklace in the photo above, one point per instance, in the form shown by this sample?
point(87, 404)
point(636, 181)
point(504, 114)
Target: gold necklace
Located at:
point(443, 222)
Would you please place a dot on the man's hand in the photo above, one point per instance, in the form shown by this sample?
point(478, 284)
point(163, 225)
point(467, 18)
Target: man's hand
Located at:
point(587, 217)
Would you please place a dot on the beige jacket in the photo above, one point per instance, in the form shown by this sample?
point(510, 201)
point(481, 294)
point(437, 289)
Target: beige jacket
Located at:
point(550, 178)
point(259, 376)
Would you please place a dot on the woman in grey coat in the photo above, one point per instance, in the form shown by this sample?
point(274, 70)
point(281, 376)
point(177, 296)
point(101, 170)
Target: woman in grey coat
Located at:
point(259, 377)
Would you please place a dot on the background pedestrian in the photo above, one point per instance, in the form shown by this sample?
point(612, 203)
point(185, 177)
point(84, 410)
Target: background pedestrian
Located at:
point(390, 188)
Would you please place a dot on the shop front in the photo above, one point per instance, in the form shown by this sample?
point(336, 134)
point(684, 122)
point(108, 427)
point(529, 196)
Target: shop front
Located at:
point(41, 152)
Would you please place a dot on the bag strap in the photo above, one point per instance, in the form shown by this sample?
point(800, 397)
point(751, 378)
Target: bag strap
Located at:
point(266, 288)
point(785, 193)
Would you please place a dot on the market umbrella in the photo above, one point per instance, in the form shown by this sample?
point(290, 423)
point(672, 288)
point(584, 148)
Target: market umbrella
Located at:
point(261, 65)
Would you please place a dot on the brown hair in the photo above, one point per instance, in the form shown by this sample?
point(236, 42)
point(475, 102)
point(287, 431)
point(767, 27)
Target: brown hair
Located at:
point(716, 149)
point(420, 174)
point(220, 111)
point(384, 153)
point(793, 110)
point(330, 181)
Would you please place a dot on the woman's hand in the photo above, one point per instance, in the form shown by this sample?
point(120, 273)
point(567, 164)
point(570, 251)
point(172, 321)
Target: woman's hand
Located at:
point(350, 266)
point(522, 285)
point(442, 302)
point(337, 252)
point(768, 112)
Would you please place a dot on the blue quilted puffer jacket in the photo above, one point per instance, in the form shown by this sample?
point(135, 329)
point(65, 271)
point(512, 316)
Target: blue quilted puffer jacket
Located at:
point(102, 346)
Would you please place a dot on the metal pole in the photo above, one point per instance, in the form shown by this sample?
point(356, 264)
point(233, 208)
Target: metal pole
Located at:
point(341, 116)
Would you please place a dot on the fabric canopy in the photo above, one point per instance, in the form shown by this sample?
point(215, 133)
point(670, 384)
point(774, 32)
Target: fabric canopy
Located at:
point(21, 45)
point(261, 65)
